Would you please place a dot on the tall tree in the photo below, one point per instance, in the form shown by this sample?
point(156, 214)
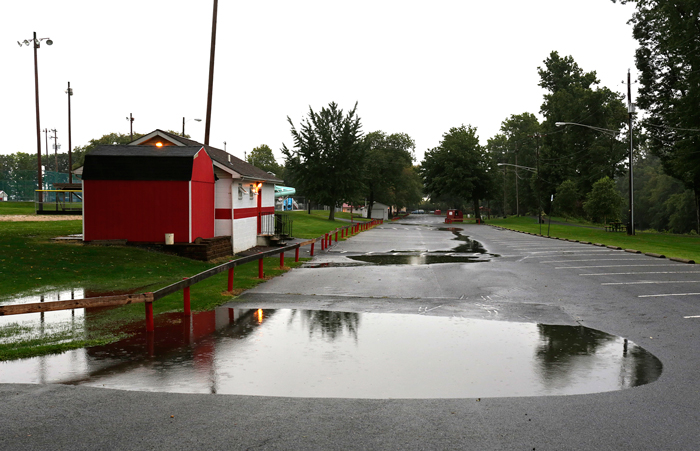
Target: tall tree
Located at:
point(603, 201)
point(668, 59)
point(581, 154)
point(327, 156)
point(79, 152)
point(458, 167)
point(516, 145)
point(263, 158)
point(386, 158)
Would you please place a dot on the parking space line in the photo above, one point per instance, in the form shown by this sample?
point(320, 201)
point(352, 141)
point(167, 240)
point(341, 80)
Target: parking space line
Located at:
point(631, 273)
point(595, 260)
point(668, 294)
point(606, 266)
point(693, 316)
point(650, 282)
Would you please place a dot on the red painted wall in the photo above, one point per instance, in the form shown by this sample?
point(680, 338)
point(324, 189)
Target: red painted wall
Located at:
point(144, 211)
point(202, 196)
point(136, 210)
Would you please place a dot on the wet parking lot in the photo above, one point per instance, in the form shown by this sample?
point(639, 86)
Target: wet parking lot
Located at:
point(606, 339)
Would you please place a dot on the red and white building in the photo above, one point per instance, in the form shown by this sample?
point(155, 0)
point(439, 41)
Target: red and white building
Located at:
point(162, 183)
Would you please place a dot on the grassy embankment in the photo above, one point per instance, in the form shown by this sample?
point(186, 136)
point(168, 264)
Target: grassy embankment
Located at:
point(30, 263)
point(670, 245)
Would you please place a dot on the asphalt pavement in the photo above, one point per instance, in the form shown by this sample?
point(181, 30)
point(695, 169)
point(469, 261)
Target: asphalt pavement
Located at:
point(651, 301)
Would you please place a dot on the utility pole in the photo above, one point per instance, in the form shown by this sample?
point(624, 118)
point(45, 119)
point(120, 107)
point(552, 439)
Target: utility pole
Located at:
point(70, 146)
point(504, 192)
point(539, 198)
point(630, 112)
point(207, 127)
point(46, 136)
point(55, 149)
point(131, 126)
point(517, 194)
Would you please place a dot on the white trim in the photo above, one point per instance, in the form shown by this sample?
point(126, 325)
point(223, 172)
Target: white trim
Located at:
point(83, 221)
point(233, 217)
point(235, 174)
point(190, 205)
point(153, 135)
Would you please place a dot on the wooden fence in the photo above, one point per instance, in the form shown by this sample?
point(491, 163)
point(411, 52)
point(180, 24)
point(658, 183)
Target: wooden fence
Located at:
point(185, 284)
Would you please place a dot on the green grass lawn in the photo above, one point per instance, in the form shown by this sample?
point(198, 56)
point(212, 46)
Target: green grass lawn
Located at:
point(30, 263)
point(17, 208)
point(670, 245)
point(316, 224)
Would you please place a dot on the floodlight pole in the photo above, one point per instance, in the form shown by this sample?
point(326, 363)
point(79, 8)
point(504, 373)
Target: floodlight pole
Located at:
point(38, 126)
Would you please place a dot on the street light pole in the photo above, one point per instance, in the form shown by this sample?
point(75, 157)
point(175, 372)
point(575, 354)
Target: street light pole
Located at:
point(183, 124)
point(630, 111)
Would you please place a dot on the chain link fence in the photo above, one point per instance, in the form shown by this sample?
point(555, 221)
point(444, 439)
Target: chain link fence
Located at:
point(21, 185)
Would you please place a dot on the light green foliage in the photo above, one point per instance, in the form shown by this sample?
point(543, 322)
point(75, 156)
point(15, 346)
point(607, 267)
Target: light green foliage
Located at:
point(603, 201)
point(327, 156)
point(458, 167)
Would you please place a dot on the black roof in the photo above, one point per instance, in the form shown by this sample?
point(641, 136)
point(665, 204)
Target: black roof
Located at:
point(226, 159)
point(124, 162)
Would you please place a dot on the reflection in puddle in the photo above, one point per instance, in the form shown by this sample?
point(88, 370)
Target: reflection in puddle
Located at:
point(44, 318)
point(312, 353)
point(419, 259)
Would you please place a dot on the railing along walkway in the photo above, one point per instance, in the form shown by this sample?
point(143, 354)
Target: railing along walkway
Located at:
point(185, 284)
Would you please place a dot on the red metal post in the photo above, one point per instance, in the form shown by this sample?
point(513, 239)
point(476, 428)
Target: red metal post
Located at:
point(312, 248)
point(231, 315)
point(149, 317)
point(186, 298)
point(336, 236)
point(281, 259)
point(323, 243)
point(230, 279)
point(260, 269)
point(296, 255)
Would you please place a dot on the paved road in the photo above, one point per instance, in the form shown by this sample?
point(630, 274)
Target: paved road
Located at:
point(644, 299)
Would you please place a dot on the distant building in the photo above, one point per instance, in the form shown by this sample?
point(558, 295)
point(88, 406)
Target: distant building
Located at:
point(379, 211)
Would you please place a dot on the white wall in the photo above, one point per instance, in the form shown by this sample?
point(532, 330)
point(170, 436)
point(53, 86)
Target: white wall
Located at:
point(245, 232)
point(222, 199)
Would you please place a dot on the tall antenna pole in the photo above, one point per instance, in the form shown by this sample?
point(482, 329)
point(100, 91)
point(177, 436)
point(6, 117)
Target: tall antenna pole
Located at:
point(207, 128)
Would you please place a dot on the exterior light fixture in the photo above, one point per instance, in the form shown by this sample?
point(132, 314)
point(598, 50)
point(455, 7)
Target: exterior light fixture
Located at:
point(159, 144)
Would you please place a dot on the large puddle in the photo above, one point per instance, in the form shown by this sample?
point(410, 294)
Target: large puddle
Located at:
point(313, 353)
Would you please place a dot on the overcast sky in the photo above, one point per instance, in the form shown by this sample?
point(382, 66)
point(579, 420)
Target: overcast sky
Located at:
point(413, 67)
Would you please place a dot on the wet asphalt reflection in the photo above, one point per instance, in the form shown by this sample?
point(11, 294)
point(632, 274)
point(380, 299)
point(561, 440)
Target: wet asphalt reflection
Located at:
point(317, 353)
